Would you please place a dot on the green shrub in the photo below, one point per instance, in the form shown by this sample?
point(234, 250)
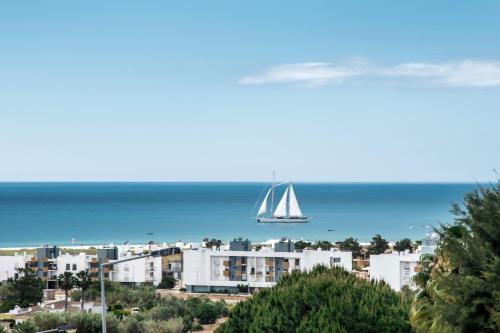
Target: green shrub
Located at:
point(324, 300)
point(197, 327)
point(207, 313)
point(168, 282)
point(25, 327)
point(7, 305)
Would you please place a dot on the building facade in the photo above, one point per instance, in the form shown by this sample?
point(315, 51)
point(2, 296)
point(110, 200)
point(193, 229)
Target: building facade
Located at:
point(210, 270)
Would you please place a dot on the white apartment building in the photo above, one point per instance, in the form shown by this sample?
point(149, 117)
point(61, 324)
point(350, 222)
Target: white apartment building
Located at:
point(138, 271)
point(397, 269)
point(10, 264)
point(210, 270)
point(72, 263)
point(393, 268)
point(48, 263)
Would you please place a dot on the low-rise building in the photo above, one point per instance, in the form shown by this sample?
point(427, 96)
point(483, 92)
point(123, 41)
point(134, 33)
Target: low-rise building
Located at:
point(211, 270)
point(397, 269)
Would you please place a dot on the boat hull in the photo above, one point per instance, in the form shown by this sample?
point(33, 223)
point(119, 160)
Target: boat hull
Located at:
point(283, 220)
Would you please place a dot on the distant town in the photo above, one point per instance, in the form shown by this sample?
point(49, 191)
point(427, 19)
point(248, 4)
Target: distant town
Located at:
point(211, 267)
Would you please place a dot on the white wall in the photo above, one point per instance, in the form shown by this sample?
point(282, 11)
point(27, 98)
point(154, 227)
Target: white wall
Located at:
point(9, 264)
point(389, 268)
point(200, 266)
point(79, 260)
point(138, 271)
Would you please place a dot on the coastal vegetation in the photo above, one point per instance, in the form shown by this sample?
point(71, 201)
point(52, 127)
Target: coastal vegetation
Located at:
point(459, 286)
point(351, 244)
point(323, 300)
point(378, 245)
point(168, 282)
point(162, 315)
point(25, 289)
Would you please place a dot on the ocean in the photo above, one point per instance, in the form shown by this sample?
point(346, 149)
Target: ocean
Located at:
point(32, 214)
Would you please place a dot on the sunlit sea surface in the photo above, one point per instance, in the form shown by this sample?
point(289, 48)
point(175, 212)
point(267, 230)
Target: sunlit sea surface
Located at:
point(32, 214)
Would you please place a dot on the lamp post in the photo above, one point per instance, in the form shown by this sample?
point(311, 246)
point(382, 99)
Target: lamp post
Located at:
point(153, 254)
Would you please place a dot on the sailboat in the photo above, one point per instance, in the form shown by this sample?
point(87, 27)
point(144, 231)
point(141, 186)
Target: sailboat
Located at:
point(287, 211)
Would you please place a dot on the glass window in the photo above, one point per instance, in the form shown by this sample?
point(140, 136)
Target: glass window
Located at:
point(74, 267)
point(68, 267)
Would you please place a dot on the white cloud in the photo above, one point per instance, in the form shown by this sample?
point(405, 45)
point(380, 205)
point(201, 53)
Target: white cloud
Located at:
point(308, 73)
point(466, 73)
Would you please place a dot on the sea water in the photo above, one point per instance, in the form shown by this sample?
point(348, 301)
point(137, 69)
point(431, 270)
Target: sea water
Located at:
point(32, 214)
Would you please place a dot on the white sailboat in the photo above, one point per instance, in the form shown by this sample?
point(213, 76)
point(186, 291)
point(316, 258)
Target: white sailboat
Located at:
point(287, 211)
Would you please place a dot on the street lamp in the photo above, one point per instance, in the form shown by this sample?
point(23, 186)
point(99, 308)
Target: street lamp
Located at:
point(153, 254)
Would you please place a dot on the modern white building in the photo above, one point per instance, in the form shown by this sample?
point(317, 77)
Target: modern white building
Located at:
point(72, 263)
point(48, 263)
point(397, 269)
point(10, 264)
point(138, 271)
point(211, 270)
point(393, 268)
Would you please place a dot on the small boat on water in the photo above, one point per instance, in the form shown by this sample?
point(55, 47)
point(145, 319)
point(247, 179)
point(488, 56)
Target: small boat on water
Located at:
point(287, 211)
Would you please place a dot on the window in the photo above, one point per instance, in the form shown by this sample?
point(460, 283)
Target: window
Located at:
point(336, 259)
point(151, 274)
point(297, 262)
point(74, 267)
point(68, 267)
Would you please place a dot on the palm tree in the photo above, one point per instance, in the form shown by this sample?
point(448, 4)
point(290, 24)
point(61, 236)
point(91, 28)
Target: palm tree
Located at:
point(66, 282)
point(83, 282)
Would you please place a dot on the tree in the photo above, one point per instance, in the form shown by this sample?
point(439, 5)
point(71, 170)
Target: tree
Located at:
point(323, 245)
point(323, 300)
point(403, 245)
point(25, 289)
point(206, 313)
point(214, 242)
point(83, 282)
point(168, 282)
point(66, 282)
point(378, 245)
point(459, 287)
point(301, 245)
point(351, 244)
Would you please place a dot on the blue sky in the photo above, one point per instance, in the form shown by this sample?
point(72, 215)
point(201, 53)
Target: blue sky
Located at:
point(222, 90)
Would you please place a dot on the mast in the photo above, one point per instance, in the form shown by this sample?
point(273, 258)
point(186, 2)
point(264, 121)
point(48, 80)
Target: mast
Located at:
point(272, 195)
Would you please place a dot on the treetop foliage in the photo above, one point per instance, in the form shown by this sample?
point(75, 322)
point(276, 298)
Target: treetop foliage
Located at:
point(460, 284)
point(323, 300)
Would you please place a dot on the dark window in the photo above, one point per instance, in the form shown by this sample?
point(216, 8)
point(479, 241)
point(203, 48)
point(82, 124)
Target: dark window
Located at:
point(336, 259)
point(68, 267)
point(297, 262)
point(74, 267)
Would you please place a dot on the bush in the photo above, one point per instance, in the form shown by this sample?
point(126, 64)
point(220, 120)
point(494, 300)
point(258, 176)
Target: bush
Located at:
point(324, 300)
point(207, 313)
point(2, 329)
point(182, 289)
point(168, 282)
point(7, 305)
point(197, 327)
point(25, 327)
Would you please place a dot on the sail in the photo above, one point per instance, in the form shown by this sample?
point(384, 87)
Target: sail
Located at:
point(281, 209)
point(293, 207)
point(263, 206)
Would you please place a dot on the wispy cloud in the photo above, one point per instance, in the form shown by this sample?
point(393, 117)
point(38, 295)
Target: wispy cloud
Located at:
point(465, 73)
point(309, 73)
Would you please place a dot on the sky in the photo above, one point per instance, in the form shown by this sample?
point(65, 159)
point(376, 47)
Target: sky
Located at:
point(337, 91)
